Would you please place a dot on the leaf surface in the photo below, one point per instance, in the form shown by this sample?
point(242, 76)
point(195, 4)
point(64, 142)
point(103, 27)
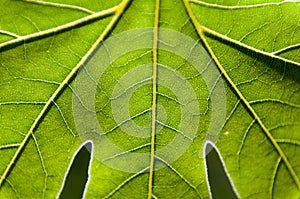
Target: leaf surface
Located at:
point(253, 44)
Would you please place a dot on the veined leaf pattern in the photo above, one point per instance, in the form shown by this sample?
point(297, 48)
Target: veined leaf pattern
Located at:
point(254, 44)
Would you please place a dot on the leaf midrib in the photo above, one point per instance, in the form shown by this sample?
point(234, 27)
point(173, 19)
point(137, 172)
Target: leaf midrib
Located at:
point(154, 100)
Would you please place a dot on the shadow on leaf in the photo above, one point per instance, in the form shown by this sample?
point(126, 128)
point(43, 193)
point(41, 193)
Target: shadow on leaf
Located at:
point(77, 176)
point(219, 182)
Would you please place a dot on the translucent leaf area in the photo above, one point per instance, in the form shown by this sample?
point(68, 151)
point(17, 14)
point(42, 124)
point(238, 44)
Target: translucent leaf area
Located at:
point(148, 83)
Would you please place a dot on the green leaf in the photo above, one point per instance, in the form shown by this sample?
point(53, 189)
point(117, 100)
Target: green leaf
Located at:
point(248, 48)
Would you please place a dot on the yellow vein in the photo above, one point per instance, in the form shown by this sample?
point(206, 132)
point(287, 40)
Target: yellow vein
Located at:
point(223, 7)
point(201, 31)
point(261, 101)
point(288, 141)
point(66, 26)
point(281, 125)
point(119, 10)
point(154, 196)
point(22, 103)
point(288, 48)
point(271, 189)
point(60, 5)
point(7, 146)
point(4, 32)
point(230, 40)
point(154, 100)
point(238, 43)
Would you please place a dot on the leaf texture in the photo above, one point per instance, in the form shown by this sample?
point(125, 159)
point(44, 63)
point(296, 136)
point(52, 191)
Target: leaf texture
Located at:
point(254, 45)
